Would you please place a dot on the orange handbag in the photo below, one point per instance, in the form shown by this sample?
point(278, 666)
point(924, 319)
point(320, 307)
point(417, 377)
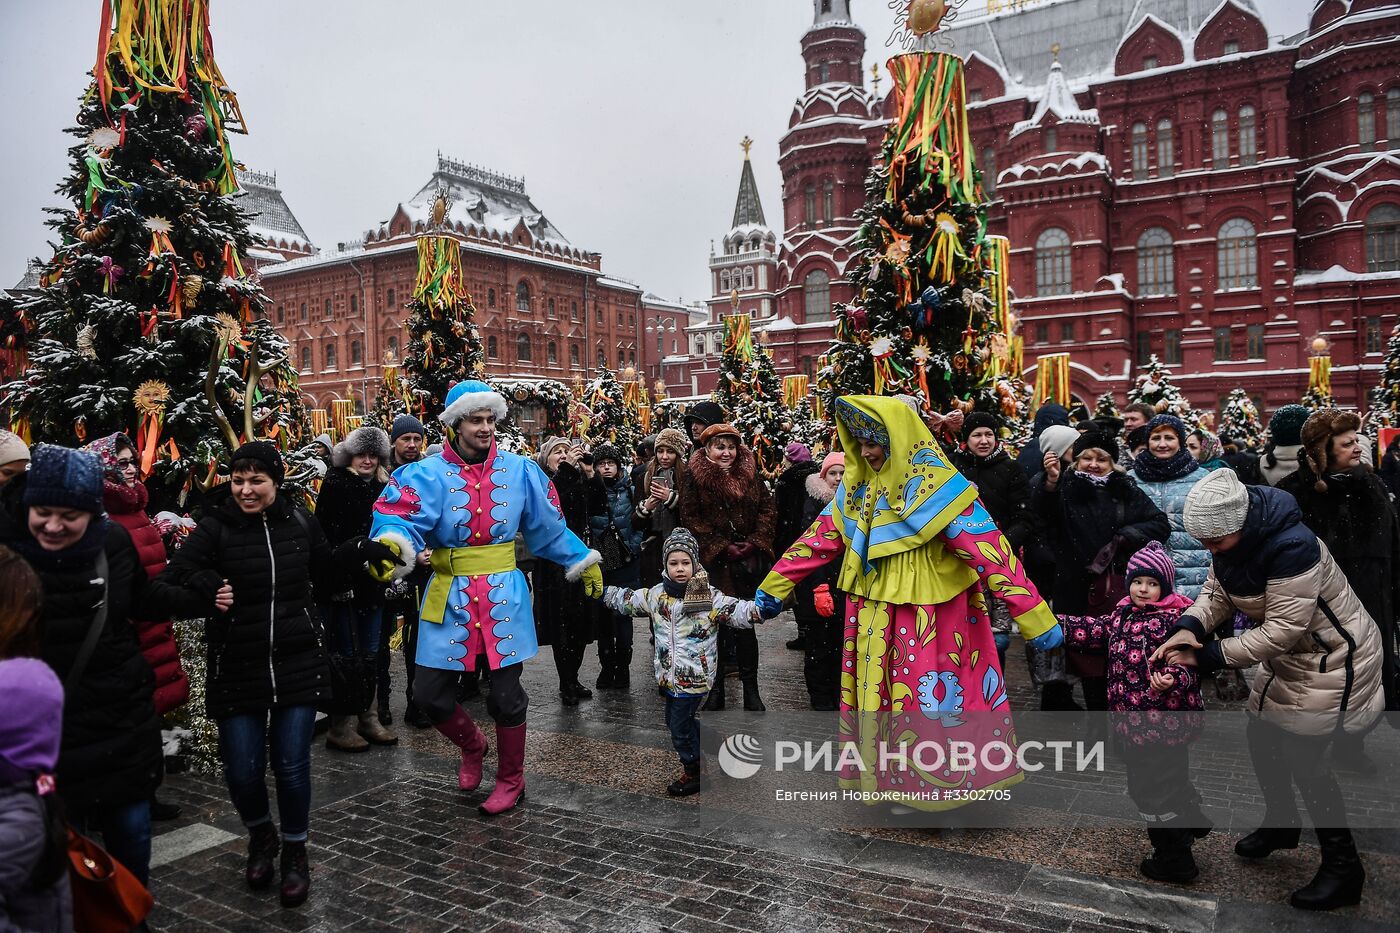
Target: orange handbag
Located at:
point(107, 898)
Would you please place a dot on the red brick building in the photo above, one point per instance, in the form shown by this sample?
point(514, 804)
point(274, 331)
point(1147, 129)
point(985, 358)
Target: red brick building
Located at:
point(1176, 183)
point(544, 307)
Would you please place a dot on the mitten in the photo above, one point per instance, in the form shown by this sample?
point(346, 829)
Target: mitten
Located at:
point(768, 606)
point(1048, 640)
point(822, 601)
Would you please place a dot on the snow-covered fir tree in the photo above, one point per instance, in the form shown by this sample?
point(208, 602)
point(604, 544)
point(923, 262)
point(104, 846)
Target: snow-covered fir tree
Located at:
point(1106, 407)
point(444, 346)
point(1384, 398)
point(611, 420)
point(1154, 387)
point(1240, 420)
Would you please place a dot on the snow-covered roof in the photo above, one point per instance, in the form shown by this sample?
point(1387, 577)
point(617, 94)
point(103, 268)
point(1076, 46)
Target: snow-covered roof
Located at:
point(834, 102)
point(496, 204)
point(1074, 165)
point(1057, 100)
point(270, 219)
point(1340, 274)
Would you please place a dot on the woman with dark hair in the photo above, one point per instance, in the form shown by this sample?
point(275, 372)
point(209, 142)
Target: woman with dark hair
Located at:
point(355, 615)
point(732, 515)
point(33, 838)
point(93, 585)
point(255, 557)
point(659, 501)
point(564, 617)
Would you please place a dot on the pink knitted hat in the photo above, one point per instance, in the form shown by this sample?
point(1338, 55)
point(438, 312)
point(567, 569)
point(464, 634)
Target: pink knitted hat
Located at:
point(1154, 561)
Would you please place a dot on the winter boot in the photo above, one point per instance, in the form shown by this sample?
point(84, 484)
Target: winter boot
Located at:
point(581, 692)
point(1339, 880)
point(510, 771)
point(715, 701)
point(688, 783)
point(1171, 859)
point(263, 844)
point(296, 874)
point(1195, 819)
point(343, 737)
point(162, 811)
point(753, 703)
point(372, 730)
point(567, 696)
point(386, 715)
point(1268, 839)
point(622, 673)
point(415, 717)
point(463, 733)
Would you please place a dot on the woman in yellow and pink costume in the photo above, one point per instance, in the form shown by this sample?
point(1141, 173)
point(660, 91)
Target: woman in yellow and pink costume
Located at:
point(919, 662)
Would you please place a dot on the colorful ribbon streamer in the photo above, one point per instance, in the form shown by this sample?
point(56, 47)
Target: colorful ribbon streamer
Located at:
point(1320, 375)
point(794, 390)
point(738, 337)
point(1052, 380)
point(439, 283)
point(930, 127)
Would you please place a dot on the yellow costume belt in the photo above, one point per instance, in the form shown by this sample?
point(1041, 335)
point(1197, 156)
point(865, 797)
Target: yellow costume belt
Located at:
point(452, 562)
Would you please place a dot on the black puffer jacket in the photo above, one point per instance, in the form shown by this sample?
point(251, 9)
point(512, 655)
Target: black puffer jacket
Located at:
point(265, 652)
point(111, 748)
point(344, 510)
point(790, 493)
point(1081, 517)
point(564, 616)
point(1004, 489)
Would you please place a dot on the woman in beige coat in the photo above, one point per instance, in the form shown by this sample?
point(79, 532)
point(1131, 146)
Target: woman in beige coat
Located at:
point(1319, 658)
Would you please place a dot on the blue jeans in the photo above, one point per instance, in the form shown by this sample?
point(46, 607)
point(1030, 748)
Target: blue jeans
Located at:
point(126, 834)
point(685, 728)
point(353, 629)
point(243, 743)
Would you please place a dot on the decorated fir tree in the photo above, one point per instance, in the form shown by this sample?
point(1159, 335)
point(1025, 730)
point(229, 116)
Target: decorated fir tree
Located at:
point(750, 389)
point(146, 320)
point(444, 346)
point(612, 416)
point(1385, 398)
point(1106, 407)
point(1240, 420)
point(931, 316)
point(1154, 387)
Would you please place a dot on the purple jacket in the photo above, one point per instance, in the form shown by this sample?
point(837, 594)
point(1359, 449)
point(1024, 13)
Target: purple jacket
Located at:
point(1131, 634)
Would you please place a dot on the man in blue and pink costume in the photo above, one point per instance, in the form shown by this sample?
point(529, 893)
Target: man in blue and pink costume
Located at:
point(465, 506)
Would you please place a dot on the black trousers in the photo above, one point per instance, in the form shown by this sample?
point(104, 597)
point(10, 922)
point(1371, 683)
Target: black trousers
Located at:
point(821, 656)
point(1159, 783)
point(567, 660)
point(435, 692)
point(744, 643)
point(1282, 761)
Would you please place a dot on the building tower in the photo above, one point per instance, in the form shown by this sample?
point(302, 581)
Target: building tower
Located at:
point(824, 158)
point(744, 273)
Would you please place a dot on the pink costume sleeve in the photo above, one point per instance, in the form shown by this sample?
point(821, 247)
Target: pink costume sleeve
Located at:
point(975, 539)
point(818, 546)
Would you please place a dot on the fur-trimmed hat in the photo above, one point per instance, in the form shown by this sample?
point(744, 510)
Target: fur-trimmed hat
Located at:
point(471, 395)
point(362, 440)
point(673, 440)
point(1316, 438)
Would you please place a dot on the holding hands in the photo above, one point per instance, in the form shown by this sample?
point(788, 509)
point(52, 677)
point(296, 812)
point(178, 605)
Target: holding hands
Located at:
point(768, 606)
point(1162, 681)
point(1179, 649)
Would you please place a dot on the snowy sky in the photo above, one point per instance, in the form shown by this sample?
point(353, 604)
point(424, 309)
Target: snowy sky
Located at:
point(624, 121)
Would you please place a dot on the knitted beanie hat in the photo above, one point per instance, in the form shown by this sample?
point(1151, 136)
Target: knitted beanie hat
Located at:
point(797, 452)
point(406, 424)
point(680, 539)
point(673, 440)
point(1316, 438)
point(266, 455)
point(29, 742)
point(547, 448)
point(1168, 421)
point(607, 452)
point(833, 459)
point(1286, 425)
point(1216, 506)
point(1153, 560)
point(63, 478)
point(978, 419)
point(12, 447)
point(1058, 439)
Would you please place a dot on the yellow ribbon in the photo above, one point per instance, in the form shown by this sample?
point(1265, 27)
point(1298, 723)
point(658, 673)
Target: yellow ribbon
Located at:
point(452, 562)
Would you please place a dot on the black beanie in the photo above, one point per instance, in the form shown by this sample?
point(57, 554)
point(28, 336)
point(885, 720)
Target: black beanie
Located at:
point(1095, 438)
point(266, 455)
point(978, 419)
point(406, 424)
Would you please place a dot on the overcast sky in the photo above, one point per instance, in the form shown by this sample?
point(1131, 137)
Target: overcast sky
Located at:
point(624, 116)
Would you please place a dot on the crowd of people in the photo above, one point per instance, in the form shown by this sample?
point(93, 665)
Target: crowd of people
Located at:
point(1138, 558)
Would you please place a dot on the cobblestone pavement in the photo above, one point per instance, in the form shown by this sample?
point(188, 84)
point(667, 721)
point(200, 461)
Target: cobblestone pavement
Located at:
point(598, 846)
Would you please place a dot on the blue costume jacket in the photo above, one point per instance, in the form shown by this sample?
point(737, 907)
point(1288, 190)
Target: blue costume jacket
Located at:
point(477, 603)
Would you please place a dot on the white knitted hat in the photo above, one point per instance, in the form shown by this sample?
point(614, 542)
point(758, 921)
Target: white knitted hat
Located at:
point(1216, 506)
point(1058, 439)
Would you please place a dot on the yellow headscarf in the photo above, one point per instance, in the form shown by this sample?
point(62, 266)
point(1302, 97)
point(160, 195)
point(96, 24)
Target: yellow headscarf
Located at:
point(914, 496)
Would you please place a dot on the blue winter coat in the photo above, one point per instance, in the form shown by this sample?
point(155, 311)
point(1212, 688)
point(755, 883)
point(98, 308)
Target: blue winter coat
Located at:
point(1190, 556)
point(614, 499)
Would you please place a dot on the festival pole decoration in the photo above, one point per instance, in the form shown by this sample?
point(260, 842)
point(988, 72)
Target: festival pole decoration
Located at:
point(1052, 380)
point(794, 390)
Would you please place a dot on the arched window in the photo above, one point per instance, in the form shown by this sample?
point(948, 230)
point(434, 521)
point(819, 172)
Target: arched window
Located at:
point(828, 202)
point(1052, 269)
point(490, 298)
point(816, 294)
point(492, 348)
point(279, 314)
point(1383, 238)
point(748, 276)
point(573, 355)
point(1166, 151)
point(809, 207)
point(357, 353)
point(551, 307)
point(1220, 139)
point(602, 358)
point(573, 310)
point(303, 312)
point(389, 298)
point(1392, 117)
point(551, 352)
point(1366, 121)
point(305, 358)
point(1154, 262)
point(621, 358)
point(354, 304)
point(330, 354)
point(328, 313)
point(522, 297)
point(522, 347)
point(724, 281)
point(1140, 149)
point(1236, 255)
point(1051, 138)
point(1248, 150)
point(393, 346)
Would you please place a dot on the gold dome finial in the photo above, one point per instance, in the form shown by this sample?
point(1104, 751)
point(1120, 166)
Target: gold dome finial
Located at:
point(746, 144)
point(1055, 51)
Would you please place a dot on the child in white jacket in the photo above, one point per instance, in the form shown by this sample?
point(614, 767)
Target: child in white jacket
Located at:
point(685, 613)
